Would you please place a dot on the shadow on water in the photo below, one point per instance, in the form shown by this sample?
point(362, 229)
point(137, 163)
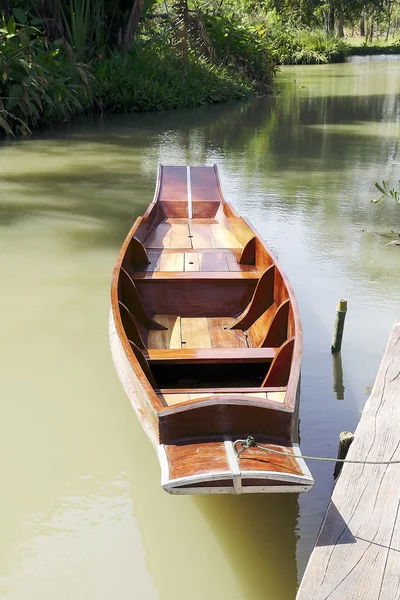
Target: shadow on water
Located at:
point(257, 533)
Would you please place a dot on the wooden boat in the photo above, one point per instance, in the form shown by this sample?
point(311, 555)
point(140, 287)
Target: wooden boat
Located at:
point(206, 338)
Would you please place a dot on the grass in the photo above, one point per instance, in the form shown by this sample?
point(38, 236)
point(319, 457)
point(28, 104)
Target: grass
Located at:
point(358, 47)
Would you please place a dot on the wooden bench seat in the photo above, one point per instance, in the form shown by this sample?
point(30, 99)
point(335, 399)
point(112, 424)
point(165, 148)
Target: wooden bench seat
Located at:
point(196, 275)
point(211, 355)
point(192, 333)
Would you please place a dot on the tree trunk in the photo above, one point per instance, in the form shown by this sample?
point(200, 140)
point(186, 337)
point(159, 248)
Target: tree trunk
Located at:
point(182, 30)
point(362, 27)
point(371, 31)
point(340, 30)
point(132, 23)
point(389, 16)
point(331, 22)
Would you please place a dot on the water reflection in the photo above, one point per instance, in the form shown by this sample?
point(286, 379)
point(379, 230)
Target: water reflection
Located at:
point(82, 512)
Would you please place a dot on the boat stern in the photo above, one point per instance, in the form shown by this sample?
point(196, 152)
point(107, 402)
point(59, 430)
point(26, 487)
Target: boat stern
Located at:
point(214, 467)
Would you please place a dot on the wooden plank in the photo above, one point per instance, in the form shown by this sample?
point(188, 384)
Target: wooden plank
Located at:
point(173, 184)
point(213, 262)
point(198, 276)
point(222, 237)
point(194, 333)
point(204, 184)
point(276, 396)
point(357, 551)
point(172, 262)
point(180, 237)
point(210, 355)
point(234, 265)
point(222, 336)
point(168, 338)
point(212, 391)
point(160, 237)
point(163, 261)
point(201, 236)
point(178, 398)
point(169, 236)
point(172, 399)
point(192, 261)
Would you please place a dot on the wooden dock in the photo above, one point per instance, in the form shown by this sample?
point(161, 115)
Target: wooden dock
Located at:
point(357, 553)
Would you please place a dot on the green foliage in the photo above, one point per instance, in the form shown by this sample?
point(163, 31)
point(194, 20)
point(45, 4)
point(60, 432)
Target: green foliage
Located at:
point(300, 45)
point(257, 44)
point(154, 78)
point(243, 46)
point(386, 192)
point(39, 82)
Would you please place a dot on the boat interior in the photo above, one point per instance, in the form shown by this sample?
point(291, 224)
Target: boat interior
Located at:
point(206, 310)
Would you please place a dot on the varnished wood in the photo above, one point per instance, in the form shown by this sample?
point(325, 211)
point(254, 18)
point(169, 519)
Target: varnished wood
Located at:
point(195, 333)
point(357, 553)
point(222, 336)
point(278, 331)
point(244, 390)
point(279, 371)
point(132, 327)
point(142, 362)
point(248, 255)
point(260, 302)
point(215, 277)
point(211, 355)
point(182, 283)
point(138, 253)
point(130, 294)
point(170, 336)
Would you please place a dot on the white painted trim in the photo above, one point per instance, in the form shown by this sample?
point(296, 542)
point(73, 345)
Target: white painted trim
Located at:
point(278, 476)
point(302, 464)
point(298, 482)
point(270, 489)
point(193, 479)
point(164, 464)
point(234, 466)
point(189, 193)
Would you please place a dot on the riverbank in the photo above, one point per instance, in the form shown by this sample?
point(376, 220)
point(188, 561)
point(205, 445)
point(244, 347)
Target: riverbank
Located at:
point(374, 49)
point(47, 82)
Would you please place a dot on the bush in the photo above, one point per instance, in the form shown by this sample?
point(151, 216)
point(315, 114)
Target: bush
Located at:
point(259, 42)
point(243, 46)
point(39, 83)
point(295, 45)
point(156, 79)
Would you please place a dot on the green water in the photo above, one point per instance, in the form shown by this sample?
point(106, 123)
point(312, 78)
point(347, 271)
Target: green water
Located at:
point(82, 515)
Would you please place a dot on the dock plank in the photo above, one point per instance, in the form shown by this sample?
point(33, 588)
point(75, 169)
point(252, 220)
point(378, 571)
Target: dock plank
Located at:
point(356, 556)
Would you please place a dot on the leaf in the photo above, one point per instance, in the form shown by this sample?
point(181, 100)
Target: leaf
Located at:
point(20, 15)
point(11, 26)
point(380, 188)
point(5, 126)
point(82, 73)
point(377, 200)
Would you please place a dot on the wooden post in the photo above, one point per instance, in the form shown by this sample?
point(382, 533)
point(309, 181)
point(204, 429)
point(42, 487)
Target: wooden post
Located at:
point(345, 439)
point(339, 326)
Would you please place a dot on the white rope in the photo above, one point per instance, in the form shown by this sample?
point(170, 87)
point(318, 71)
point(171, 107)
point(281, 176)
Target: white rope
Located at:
point(251, 443)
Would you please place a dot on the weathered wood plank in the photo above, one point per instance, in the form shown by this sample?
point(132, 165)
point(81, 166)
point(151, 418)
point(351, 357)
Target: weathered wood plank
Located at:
point(356, 556)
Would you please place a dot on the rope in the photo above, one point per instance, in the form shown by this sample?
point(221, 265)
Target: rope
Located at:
point(251, 443)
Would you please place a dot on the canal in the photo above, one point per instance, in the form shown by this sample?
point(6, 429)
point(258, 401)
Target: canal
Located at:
point(82, 513)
